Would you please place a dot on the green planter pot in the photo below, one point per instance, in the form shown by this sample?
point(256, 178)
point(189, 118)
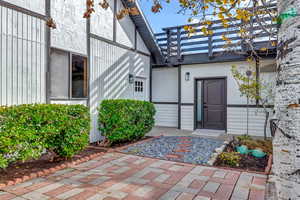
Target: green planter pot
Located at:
point(258, 153)
point(243, 149)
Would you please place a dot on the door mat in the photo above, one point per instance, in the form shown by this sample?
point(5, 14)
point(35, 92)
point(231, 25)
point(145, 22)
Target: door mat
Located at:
point(208, 132)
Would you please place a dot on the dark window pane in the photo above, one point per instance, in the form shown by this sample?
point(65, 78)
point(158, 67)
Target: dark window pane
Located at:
point(79, 77)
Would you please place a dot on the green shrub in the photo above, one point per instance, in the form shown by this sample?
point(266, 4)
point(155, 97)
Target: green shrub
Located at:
point(230, 158)
point(124, 120)
point(27, 130)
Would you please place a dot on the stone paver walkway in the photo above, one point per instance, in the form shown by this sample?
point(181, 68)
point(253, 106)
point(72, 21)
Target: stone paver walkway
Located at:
point(119, 176)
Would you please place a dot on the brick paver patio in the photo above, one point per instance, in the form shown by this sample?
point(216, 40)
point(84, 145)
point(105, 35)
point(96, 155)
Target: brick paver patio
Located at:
point(120, 176)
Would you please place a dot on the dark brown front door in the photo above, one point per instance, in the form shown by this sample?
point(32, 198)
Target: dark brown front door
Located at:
point(214, 104)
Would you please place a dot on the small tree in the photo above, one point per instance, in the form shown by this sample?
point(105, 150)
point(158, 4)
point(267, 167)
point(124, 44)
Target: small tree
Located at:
point(262, 92)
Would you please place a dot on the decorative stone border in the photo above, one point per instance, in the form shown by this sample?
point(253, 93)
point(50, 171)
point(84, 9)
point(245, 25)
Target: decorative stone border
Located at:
point(218, 151)
point(45, 172)
point(269, 166)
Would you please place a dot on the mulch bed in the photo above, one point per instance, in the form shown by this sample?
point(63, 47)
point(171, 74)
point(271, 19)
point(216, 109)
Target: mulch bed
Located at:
point(19, 170)
point(16, 172)
point(247, 163)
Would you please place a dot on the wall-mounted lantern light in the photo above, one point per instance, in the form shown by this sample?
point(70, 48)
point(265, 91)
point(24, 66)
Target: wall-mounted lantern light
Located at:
point(187, 76)
point(131, 79)
point(248, 73)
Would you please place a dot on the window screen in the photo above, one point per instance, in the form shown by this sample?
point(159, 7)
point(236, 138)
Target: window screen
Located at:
point(59, 69)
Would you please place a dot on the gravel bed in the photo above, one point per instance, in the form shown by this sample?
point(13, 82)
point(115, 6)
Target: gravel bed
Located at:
point(200, 150)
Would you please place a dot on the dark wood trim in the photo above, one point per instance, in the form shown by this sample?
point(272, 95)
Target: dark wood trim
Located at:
point(187, 104)
point(25, 11)
point(69, 99)
point(88, 40)
point(161, 102)
point(209, 78)
point(47, 52)
point(135, 38)
point(150, 81)
point(257, 77)
point(117, 44)
point(203, 58)
point(179, 97)
point(69, 52)
point(115, 21)
point(250, 106)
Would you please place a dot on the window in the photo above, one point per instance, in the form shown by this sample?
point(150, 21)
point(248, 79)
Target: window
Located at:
point(79, 77)
point(138, 86)
point(68, 75)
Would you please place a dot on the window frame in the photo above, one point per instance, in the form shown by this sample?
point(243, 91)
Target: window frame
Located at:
point(86, 84)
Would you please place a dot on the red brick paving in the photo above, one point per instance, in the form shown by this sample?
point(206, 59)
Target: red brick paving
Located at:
point(143, 178)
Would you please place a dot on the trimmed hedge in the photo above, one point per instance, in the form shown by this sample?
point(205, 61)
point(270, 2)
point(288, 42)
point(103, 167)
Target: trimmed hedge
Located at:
point(123, 120)
point(27, 130)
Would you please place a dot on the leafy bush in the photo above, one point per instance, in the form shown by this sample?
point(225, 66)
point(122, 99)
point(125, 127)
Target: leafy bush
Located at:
point(124, 120)
point(27, 130)
point(230, 158)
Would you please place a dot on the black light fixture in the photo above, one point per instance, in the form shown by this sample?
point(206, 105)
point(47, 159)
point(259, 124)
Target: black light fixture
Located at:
point(248, 73)
point(131, 78)
point(187, 76)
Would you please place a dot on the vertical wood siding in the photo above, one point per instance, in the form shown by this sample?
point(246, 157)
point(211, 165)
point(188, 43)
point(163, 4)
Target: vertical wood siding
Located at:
point(109, 72)
point(22, 58)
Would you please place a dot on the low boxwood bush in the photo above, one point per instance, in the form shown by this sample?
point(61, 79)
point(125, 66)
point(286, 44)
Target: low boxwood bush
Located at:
point(123, 120)
point(231, 159)
point(27, 130)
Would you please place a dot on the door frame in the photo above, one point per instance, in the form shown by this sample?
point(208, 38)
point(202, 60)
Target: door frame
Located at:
point(202, 96)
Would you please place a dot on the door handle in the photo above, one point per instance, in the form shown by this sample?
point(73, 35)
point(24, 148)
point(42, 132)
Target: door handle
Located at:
point(204, 106)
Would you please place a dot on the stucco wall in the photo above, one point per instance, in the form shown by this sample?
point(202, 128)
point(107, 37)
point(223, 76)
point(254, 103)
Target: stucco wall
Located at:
point(70, 33)
point(33, 5)
point(102, 21)
point(165, 84)
point(125, 29)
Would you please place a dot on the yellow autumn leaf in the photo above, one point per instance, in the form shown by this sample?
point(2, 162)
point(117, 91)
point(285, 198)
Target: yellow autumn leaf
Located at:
point(263, 49)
